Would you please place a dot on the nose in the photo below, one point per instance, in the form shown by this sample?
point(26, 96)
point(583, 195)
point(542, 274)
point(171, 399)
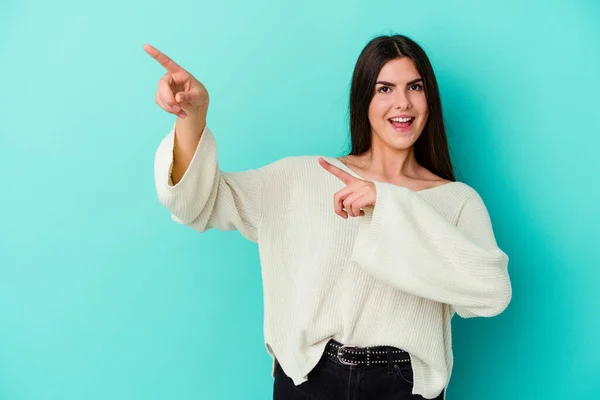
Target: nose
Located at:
point(401, 101)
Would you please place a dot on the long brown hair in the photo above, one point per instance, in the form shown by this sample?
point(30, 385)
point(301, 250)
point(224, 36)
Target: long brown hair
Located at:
point(431, 148)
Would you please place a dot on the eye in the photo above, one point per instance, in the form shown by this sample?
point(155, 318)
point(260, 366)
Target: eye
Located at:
point(380, 90)
point(417, 86)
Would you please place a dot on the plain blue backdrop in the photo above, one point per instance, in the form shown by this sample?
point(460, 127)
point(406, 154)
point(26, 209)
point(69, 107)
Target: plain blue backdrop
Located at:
point(102, 296)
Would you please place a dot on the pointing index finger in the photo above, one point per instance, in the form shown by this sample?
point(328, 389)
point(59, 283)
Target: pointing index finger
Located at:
point(337, 172)
point(163, 59)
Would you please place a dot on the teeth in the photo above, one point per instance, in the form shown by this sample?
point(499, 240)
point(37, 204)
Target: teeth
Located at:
point(401, 119)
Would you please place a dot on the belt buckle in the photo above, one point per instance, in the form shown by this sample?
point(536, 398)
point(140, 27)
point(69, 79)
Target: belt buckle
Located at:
point(339, 352)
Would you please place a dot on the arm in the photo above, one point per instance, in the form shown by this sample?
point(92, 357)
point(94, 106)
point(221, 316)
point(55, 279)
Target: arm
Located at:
point(407, 243)
point(187, 134)
point(205, 197)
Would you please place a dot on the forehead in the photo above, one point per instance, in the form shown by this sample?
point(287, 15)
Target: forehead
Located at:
point(399, 70)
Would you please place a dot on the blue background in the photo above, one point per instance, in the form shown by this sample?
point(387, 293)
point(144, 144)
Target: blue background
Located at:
point(102, 296)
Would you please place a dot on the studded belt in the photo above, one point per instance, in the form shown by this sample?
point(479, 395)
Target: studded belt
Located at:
point(352, 355)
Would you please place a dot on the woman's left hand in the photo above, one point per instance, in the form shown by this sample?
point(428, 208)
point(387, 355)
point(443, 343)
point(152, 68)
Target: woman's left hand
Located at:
point(357, 194)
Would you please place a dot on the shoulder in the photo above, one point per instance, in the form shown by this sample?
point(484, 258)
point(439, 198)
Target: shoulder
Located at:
point(454, 194)
point(459, 202)
point(463, 188)
point(468, 192)
point(469, 200)
point(293, 163)
point(292, 167)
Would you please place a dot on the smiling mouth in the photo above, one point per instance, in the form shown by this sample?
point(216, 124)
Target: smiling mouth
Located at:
point(402, 123)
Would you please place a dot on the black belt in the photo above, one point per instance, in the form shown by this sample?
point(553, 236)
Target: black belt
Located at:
point(352, 355)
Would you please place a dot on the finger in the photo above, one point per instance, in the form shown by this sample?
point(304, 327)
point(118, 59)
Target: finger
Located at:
point(166, 107)
point(356, 209)
point(354, 202)
point(362, 203)
point(166, 95)
point(338, 198)
point(163, 60)
point(348, 203)
point(161, 104)
point(190, 97)
point(340, 174)
point(359, 204)
point(343, 214)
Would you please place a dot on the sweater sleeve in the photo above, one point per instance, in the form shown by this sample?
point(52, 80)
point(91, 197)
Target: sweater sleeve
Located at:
point(206, 197)
point(405, 242)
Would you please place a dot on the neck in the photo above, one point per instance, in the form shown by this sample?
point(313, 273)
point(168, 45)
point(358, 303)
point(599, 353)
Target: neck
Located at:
point(391, 163)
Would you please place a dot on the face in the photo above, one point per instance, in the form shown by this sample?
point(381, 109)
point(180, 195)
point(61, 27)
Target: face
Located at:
point(398, 111)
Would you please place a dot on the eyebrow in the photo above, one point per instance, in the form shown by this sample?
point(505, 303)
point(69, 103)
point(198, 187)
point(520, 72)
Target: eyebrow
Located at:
point(394, 85)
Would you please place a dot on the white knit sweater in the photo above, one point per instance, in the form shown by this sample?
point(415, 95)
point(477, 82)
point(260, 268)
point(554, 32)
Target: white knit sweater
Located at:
point(394, 276)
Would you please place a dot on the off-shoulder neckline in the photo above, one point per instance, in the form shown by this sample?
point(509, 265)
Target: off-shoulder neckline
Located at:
point(351, 171)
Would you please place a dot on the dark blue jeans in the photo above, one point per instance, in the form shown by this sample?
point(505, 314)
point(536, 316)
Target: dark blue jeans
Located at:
point(332, 380)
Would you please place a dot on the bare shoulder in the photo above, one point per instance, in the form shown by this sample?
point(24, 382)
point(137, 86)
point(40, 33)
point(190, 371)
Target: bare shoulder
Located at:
point(430, 180)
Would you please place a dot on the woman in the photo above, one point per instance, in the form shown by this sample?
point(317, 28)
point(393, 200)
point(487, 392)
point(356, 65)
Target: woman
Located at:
point(358, 294)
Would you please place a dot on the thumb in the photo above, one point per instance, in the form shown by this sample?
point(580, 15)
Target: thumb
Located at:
point(188, 99)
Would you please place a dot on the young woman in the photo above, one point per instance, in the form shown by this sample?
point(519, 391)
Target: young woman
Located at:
point(366, 258)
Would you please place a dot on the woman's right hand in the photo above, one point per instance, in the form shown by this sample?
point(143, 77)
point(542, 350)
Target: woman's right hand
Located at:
point(178, 91)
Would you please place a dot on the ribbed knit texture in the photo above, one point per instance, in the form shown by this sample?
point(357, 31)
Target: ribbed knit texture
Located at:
point(394, 277)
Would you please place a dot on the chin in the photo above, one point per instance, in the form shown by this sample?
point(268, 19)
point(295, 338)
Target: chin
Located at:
point(404, 145)
point(402, 139)
point(398, 140)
